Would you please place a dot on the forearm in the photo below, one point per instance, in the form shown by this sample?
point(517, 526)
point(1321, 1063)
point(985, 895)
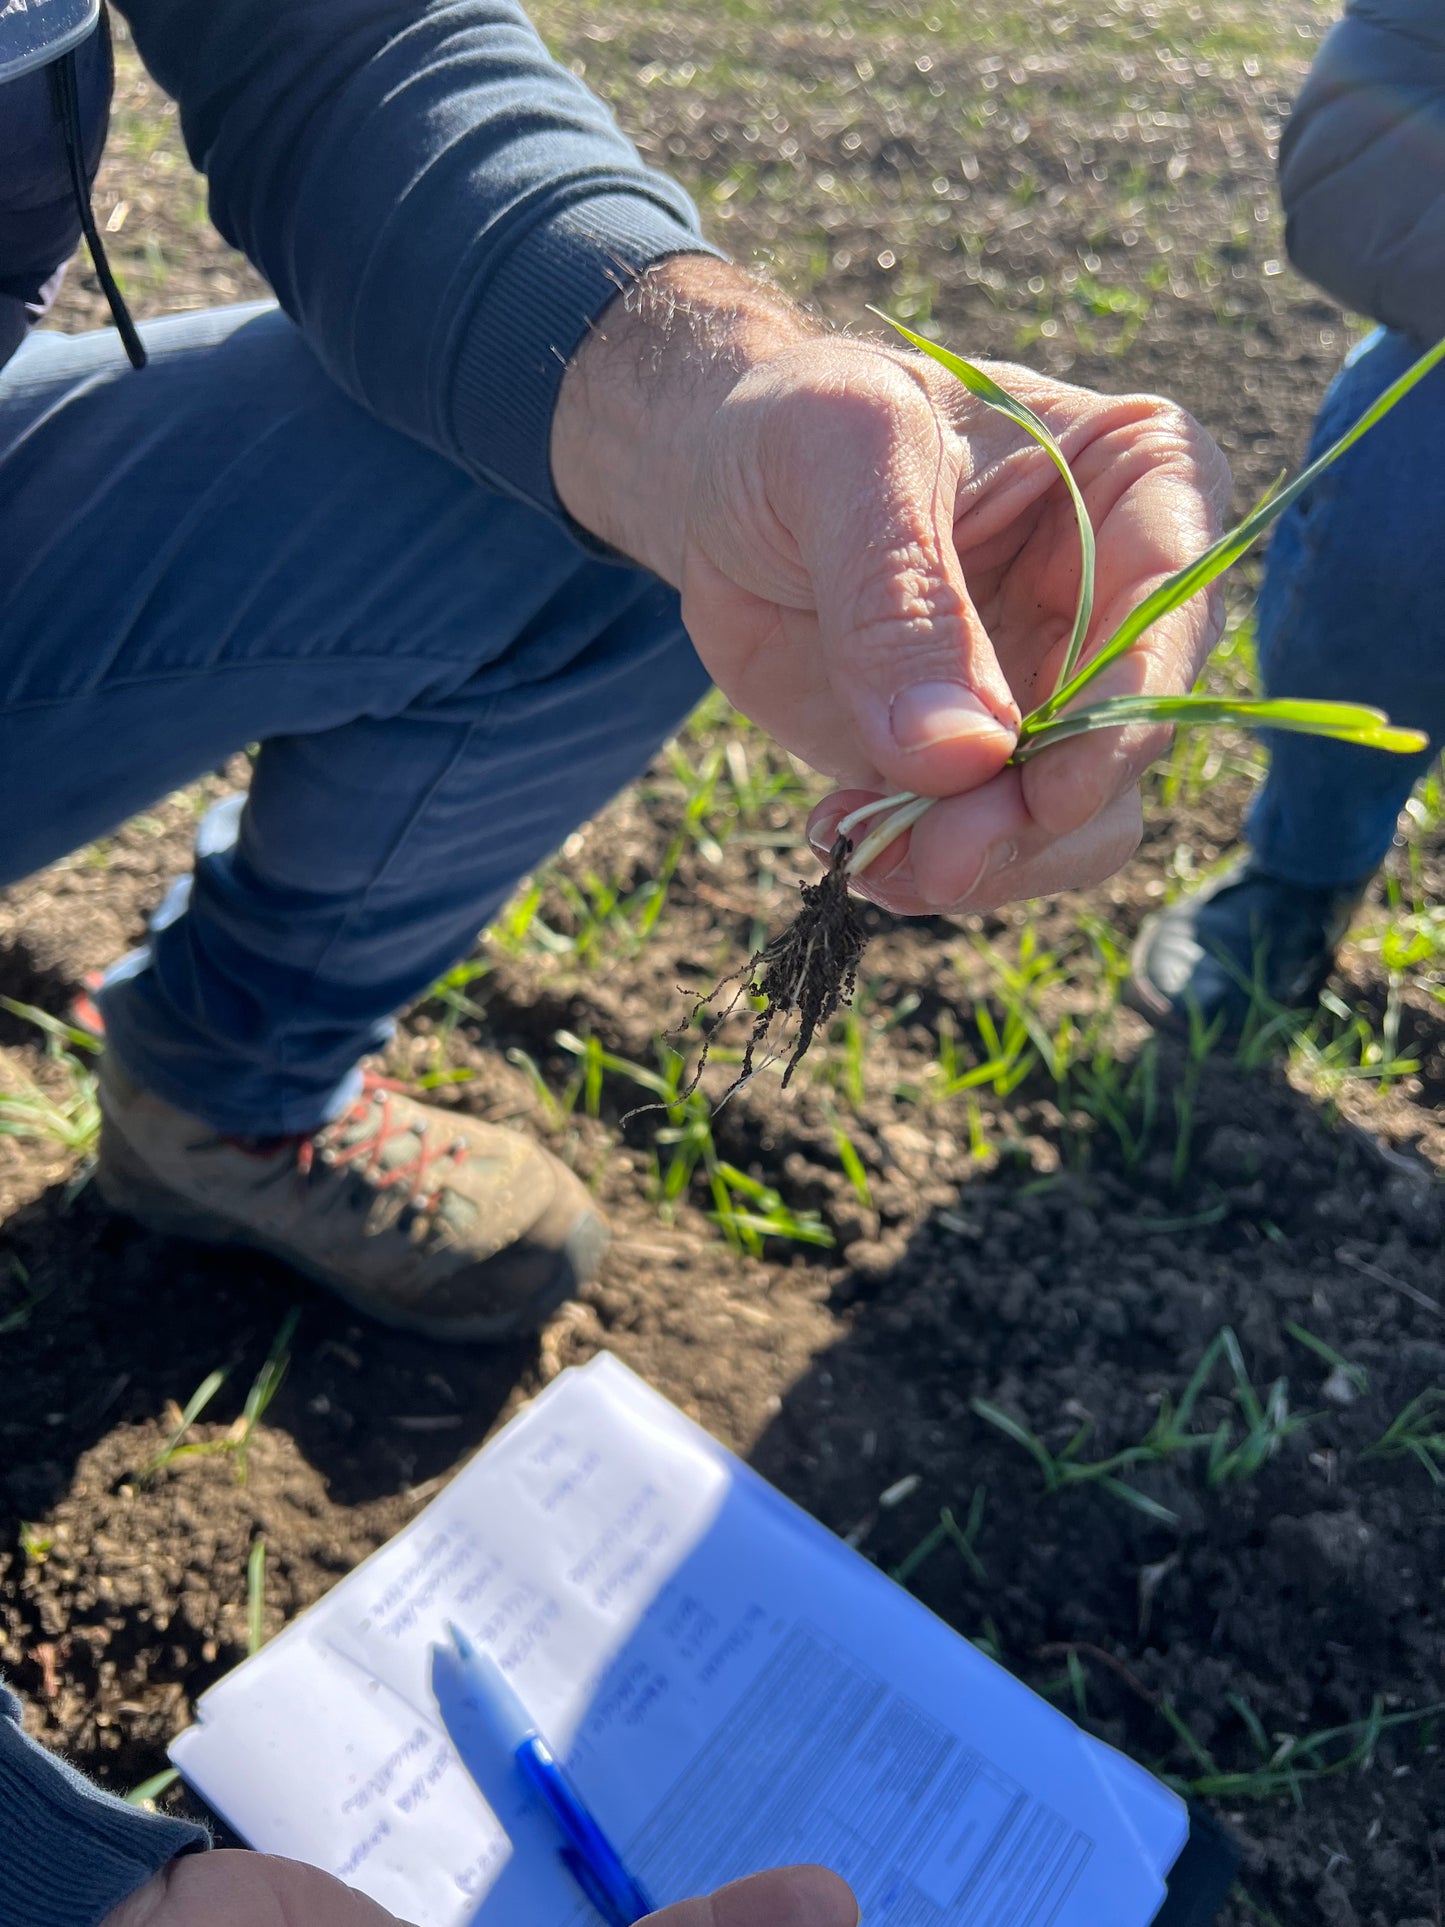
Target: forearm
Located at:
point(638, 396)
point(69, 1853)
point(440, 205)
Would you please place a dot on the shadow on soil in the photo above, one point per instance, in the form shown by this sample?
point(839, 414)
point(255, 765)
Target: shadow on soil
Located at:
point(1281, 1601)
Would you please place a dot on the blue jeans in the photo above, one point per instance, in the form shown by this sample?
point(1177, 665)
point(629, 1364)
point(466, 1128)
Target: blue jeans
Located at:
point(1353, 607)
point(225, 550)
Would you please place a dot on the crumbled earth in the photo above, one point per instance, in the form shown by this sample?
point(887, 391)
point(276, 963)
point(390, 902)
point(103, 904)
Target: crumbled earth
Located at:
point(1065, 1251)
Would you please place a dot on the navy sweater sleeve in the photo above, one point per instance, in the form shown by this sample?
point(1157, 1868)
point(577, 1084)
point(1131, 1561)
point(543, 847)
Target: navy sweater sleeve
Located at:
point(438, 204)
point(68, 1852)
point(1362, 165)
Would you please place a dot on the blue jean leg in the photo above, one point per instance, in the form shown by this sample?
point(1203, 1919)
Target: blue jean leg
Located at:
point(224, 549)
point(1353, 608)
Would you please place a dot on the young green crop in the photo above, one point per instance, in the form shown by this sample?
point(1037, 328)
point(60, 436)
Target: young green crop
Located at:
point(809, 971)
point(1062, 715)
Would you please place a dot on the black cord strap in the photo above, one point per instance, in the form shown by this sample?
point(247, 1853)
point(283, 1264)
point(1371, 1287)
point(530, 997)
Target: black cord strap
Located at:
point(65, 93)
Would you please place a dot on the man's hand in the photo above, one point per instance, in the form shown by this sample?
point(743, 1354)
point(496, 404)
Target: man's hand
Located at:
point(255, 1890)
point(881, 571)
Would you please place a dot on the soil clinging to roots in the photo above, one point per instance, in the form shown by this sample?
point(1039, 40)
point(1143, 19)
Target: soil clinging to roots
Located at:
point(808, 971)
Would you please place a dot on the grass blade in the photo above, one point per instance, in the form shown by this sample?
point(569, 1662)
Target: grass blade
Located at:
point(1198, 574)
point(268, 1380)
point(256, 1597)
point(988, 390)
point(1341, 722)
point(151, 1790)
point(195, 1405)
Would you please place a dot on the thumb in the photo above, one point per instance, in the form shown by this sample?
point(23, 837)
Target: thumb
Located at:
point(908, 655)
point(783, 1897)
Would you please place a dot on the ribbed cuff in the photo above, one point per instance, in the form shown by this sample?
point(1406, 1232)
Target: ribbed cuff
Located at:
point(69, 1853)
point(554, 281)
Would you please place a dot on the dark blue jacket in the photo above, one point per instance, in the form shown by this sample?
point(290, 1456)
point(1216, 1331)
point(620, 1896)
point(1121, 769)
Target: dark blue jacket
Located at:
point(1362, 165)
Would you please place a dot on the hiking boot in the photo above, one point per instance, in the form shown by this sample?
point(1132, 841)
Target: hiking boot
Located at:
point(422, 1219)
point(1247, 942)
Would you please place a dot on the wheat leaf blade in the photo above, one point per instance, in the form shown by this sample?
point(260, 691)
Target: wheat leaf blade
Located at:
point(998, 397)
point(1200, 573)
point(1356, 723)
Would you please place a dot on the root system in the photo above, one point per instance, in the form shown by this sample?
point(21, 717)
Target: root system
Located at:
point(804, 975)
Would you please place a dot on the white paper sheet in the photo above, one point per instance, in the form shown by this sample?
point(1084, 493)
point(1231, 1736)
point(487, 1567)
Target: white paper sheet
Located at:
point(732, 1686)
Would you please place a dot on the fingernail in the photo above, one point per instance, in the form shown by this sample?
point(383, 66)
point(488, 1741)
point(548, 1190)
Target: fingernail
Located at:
point(941, 712)
point(822, 837)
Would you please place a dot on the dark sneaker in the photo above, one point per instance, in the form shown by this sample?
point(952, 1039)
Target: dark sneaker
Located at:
point(422, 1219)
point(1248, 943)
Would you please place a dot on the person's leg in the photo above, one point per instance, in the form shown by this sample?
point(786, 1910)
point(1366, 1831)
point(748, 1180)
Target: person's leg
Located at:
point(223, 549)
point(1350, 610)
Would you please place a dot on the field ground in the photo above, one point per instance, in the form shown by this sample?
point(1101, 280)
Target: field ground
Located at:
point(1146, 1353)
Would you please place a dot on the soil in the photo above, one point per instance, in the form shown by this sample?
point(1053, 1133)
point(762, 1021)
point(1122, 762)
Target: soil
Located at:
point(1007, 1249)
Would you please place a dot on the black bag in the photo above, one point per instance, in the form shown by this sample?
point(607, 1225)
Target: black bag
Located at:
point(46, 33)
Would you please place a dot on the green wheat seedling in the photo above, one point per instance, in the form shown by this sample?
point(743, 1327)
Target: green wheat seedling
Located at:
point(1064, 1469)
point(149, 1791)
point(853, 1167)
point(264, 1388)
point(1072, 1684)
point(745, 1210)
point(1243, 1441)
point(35, 1543)
point(237, 1441)
point(1410, 946)
point(19, 1316)
point(1353, 1375)
point(452, 992)
point(1331, 1045)
point(948, 1532)
point(1000, 1060)
point(72, 1120)
point(1237, 1448)
point(809, 970)
point(852, 1079)
point(256, 1597)
point(1079, 1054)
point(758, 783)
point(1287, 1762)
point(1418, 1433)
point(1123, 1096)
point(607, 918)
point(175, 1446)
point(541, 1090)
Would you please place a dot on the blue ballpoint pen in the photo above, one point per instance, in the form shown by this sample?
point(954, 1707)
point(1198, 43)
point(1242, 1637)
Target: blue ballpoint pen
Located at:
point(480, 1710)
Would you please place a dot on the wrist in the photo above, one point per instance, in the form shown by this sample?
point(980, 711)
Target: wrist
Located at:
point(639, 395)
